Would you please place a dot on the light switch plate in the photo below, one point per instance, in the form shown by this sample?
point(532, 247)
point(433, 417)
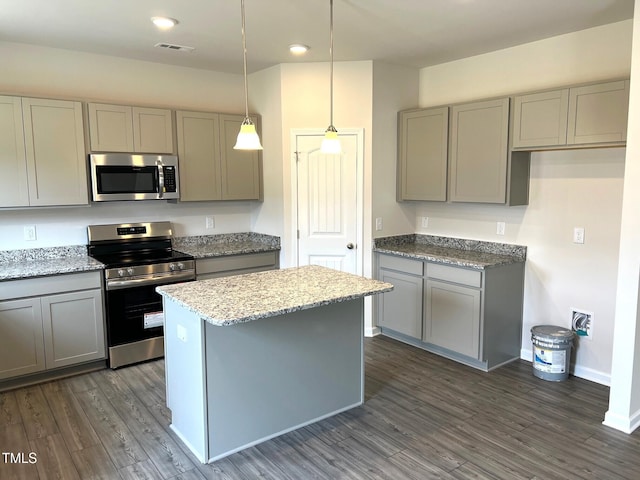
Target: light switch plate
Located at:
point(379, 224)
point(500, 228)
point(425, 222)
point(210, 221)
point(578, 235)
point(30, 233)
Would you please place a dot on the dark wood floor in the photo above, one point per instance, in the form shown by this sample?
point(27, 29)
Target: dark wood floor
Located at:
point(424, 417)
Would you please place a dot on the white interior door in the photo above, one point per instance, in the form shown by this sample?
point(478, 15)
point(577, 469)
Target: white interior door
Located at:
point(327, 203)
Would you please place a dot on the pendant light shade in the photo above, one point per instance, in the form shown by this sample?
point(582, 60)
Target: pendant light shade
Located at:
point(331, 143)
point(247, 137)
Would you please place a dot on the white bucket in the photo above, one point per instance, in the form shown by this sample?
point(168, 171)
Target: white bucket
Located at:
point(551, 352)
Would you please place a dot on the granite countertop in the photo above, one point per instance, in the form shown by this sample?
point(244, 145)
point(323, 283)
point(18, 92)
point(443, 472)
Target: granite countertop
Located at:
point(243, 298)
point(452, 251)
point(206, 246)
point(40, 262)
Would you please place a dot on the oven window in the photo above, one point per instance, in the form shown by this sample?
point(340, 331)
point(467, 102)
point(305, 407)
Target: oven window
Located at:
point(126, 179)
point(126, 310)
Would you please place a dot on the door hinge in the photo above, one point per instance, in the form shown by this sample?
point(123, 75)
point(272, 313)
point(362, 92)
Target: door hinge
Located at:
point(297, 156)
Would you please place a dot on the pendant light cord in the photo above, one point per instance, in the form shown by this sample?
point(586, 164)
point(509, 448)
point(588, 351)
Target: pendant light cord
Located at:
point(331, 55)
point(244, 53)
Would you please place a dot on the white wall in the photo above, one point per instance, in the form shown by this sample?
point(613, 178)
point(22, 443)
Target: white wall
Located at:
point(624, 400)
point(395, 88)
point(568, 188)
point(264, 89)
point(46, 72)
point(305, 105)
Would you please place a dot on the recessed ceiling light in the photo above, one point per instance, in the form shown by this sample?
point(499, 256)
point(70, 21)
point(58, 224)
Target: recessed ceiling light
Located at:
point(298, 49)
point(164, 23)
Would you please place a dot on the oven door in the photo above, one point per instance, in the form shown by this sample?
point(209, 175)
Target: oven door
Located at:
point(134, 324)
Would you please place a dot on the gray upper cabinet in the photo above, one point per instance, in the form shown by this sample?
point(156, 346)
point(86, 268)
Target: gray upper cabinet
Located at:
point(42, 153)
point(581, 116)
point(241, 169)
point(122, 128)
point(14, 188)
point(478, 151)
point(199, 154)
point(422, 154)
point(540, 119)
point(598, 113)
point(210, 169)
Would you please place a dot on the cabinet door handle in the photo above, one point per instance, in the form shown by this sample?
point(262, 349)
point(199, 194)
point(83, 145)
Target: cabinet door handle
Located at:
point(350, 246)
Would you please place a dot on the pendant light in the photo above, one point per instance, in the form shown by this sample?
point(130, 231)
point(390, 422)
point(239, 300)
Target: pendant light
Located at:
point(247, 137)
point(331, 143)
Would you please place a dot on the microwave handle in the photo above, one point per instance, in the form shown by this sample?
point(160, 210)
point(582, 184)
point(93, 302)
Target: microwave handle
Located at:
point(160, 178)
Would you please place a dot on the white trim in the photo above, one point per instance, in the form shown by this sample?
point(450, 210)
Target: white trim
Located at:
point(359, 133)
point(622, 423)
point(372, 331)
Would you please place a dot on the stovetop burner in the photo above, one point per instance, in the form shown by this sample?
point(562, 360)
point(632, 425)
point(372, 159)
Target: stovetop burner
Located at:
point(115, 260)
point(138, 253)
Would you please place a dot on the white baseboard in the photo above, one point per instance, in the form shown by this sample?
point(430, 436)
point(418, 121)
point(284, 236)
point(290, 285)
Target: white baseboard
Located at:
point(621, 422)
point(582, 372)
point(371, 331)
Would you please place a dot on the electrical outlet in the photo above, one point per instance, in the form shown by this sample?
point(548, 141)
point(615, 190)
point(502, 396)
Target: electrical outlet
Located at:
point(578, 235)
point(500, 227)
point(30, 233)
point(379, 223)
point(210, 221)
point(425, 222)
point(582, 323)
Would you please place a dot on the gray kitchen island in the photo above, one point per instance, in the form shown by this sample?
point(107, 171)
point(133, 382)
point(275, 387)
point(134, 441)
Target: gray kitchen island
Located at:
point(250, 357)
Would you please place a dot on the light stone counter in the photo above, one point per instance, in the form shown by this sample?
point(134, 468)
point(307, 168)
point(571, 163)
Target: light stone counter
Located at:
point(458, 252)
point(41, 262)
point(242, 298)
point(207, 246)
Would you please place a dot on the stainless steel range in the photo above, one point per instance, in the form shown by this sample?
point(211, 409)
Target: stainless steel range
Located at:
point(138, 256)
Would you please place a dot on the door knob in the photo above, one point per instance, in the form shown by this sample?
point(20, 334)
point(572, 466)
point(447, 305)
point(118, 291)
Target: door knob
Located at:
point(350, 246)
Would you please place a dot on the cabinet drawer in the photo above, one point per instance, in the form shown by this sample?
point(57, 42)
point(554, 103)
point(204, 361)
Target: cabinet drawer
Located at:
point(240, 263)
point(31, 287)
point(406, 265)
point(472, 278)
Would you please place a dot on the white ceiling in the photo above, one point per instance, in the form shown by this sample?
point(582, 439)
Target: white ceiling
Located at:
point(410, 32)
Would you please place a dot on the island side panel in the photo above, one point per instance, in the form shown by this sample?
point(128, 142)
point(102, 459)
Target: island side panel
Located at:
point(273, 375)
point(185, 376)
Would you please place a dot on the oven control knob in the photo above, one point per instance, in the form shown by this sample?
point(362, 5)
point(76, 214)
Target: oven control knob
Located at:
point(130, 271)
point(180, 266)
point(172, 266)
point(121, 273)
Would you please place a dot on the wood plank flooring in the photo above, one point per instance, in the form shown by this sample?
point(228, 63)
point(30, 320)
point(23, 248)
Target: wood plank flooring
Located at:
point(424, 417)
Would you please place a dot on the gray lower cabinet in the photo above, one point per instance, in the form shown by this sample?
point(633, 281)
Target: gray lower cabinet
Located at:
point(224, 266)
point(58, 323)
point(401, 309)
point(468, 315)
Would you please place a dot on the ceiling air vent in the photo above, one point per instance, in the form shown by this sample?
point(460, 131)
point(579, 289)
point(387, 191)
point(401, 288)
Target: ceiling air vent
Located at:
point(170, 46)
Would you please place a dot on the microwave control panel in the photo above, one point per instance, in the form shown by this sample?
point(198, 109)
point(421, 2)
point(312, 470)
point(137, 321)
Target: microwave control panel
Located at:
point(170, 184)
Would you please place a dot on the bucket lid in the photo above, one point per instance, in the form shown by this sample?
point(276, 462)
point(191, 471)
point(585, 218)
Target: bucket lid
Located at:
point(552, 333)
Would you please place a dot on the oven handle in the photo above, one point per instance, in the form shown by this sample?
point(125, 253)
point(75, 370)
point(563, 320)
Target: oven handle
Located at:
point(159, 280)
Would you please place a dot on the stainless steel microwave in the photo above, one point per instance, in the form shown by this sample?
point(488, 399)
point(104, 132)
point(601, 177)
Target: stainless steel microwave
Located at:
point(123, 176)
